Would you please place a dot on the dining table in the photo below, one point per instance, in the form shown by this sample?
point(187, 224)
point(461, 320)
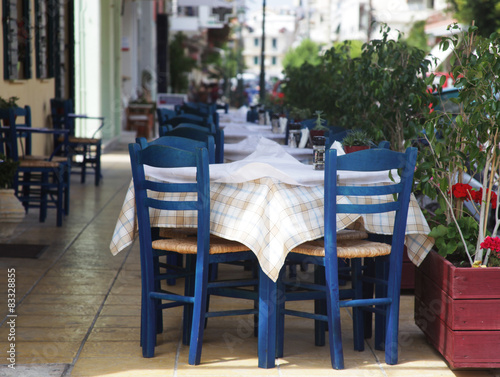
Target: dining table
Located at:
point(271, 202)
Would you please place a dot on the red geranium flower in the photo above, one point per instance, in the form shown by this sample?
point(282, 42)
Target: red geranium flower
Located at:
point(491, 243)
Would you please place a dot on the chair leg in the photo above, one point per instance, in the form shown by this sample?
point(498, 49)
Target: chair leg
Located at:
point(333, 310)
point(381, 272)
point(43, 197)
point(66, 179)
point(84, 165)
point(319, 308)
point(187, 321)
point(98, 164)
point(392, 322)
point(357, 313)
point(199, 309)
point(59, 180)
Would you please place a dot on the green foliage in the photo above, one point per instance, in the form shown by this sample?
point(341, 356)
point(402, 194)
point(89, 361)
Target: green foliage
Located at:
point(382, 91)
point(465, 142)
point(446, 237)
point(355, 47)
point(307, 51)
point(356, 138)
point(8, 169)
point(484, 13)
point(8, 103)
point(417, 36)
point(180, 64)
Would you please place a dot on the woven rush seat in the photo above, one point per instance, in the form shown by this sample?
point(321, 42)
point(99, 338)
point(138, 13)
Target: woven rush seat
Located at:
point(189, 245)
point(42, 158)
point(346, 249)
point(85, 140)
point(351, 234)
point(30, 163)
point(75, 140)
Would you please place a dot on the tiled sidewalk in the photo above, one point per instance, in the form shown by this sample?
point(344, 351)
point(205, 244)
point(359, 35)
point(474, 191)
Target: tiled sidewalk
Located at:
point(79, 310)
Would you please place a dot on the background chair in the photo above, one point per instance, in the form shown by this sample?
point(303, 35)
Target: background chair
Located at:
point(197, 132)
point(84, 151)
point(362, 199)
point(39, 182)
point(201, 251)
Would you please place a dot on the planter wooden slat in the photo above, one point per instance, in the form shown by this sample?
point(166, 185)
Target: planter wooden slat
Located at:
point(465, 329)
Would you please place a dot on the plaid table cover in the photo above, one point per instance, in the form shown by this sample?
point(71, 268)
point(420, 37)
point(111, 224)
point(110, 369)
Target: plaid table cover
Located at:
point(271, 218)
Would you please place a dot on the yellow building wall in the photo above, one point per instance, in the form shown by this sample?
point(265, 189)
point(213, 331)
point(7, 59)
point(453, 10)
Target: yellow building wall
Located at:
point(33, 92)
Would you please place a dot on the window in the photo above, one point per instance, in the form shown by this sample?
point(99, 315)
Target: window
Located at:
point(275, 43)
point(273, 60)
point(256, 41)
point(17, 39)
point(256, 60)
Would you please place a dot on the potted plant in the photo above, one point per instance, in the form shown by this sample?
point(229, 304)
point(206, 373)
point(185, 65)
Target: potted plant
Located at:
point(11, 210)
point(6, 104)
point(356, 140)
point(320, 127)
point(457, 306)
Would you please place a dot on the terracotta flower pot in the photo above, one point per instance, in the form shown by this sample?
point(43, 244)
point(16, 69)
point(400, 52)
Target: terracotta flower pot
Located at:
point(355, 148)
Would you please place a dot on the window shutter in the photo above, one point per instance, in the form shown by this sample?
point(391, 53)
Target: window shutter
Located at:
point(10, 39)
point(41, 38)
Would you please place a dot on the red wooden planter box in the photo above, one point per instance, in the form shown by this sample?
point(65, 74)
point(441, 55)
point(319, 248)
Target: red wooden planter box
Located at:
point(458, 309)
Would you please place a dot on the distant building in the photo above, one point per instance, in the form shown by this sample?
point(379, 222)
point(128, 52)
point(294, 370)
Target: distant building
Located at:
point(280, 29)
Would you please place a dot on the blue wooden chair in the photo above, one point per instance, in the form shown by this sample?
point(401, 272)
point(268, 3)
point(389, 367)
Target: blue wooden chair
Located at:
point(85, 151)
point(201, 251)
point(197, 132)
point(325, 253)
point(163, 114)
point(206, 122)
point(41, 182)
point(197, 140)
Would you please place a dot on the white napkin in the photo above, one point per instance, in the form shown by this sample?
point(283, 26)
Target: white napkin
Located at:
point(304, 137)
point(336, 145)
point(282, 122)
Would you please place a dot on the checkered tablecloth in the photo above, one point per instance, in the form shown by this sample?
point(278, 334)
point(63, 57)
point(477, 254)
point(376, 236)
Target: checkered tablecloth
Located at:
point(271, 218)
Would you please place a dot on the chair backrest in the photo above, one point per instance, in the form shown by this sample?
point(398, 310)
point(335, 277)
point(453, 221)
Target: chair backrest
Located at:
point(370, 198)
point(59, 110)
point(177, 140)
point(195, 131)
point(206, 122)
point(151, 194)
point(164, 114)
point(13, 118)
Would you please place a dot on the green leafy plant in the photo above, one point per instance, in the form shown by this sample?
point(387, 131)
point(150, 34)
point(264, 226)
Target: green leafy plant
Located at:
point(8, 169)
point(8, 103)
point(319, 124)
point(463, 147)
point(383, 90)
point(356, 138)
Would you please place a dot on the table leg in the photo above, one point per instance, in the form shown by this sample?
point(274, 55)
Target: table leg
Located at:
point(267, 322)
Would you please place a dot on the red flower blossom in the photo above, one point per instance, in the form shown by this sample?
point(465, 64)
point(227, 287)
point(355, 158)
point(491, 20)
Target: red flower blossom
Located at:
point(465, 191)
point(491, 243)
point(461, 191)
